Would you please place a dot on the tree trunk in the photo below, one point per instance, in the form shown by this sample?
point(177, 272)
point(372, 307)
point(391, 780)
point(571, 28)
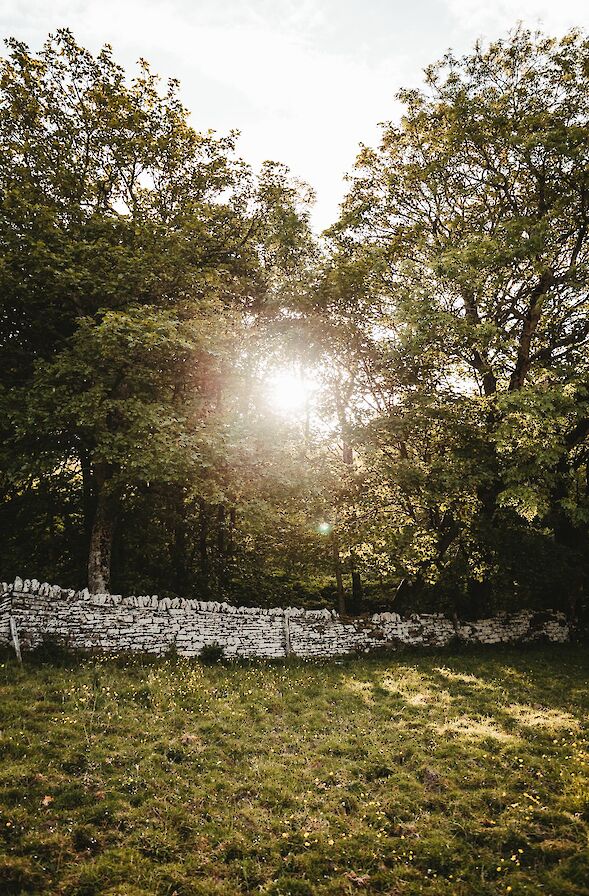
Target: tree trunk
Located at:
point(357, 592)
point(203, 551)
point(231, 532)
point(572, 539)
point(179, 547)
point(480, 361)
point(221, 545)
point(88, 493)
point(341, 595)
point(530, 324)
point(99, 557)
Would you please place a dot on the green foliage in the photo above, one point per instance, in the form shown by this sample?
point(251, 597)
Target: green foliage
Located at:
point(211, 654)
point(150, 283)
point(465, 237)
point(136, 252)
point(51, 650)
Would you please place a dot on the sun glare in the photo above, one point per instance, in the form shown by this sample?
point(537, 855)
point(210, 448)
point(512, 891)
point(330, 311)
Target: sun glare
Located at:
point(289, 391)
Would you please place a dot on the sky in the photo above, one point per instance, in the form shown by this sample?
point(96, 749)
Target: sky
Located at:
point(304, 82)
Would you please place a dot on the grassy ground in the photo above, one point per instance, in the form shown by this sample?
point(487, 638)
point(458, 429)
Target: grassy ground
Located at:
point(432, 774)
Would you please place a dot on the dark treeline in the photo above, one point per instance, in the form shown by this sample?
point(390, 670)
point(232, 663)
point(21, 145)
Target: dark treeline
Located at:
point(199, 396)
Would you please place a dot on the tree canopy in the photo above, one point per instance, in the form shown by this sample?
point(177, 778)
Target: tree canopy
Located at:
point(465, 235)
point(152, 285)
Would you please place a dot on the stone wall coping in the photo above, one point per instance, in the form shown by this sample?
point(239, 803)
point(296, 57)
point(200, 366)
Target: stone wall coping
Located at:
point(153, 602)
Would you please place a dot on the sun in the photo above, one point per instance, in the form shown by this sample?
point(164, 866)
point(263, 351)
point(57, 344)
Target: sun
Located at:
point(289, 390)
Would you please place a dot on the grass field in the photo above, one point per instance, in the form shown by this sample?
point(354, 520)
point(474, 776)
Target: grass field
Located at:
point(435, 774)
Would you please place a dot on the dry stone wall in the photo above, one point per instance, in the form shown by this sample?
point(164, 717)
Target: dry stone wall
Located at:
point(112, 623)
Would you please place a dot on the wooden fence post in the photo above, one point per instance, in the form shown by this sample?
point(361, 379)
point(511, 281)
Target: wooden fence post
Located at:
point(15, 641)
point(287, 646)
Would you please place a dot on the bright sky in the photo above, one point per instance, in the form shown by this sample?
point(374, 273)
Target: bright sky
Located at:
point(305, 81)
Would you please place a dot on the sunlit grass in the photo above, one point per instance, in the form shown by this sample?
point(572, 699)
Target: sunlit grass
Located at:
point(543, 717)
point(471, 728)
point(416, 774)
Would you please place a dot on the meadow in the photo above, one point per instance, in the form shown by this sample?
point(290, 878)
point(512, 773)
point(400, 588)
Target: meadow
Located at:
point(429, 773)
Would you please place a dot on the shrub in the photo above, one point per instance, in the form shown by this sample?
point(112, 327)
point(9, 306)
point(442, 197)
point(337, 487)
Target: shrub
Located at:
point(211, 654)
point(52, 651)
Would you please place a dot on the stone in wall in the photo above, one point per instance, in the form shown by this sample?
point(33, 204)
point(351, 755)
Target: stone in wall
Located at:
point(112, 623)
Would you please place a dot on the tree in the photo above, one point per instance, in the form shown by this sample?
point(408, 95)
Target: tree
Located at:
point(133, 247)
point(467, 228)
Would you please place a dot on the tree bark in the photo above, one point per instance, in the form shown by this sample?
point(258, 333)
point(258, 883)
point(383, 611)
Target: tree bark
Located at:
point(231, 532)
point(179, 546)
point(221, 545)
point(99, 555)
point(531, 321)
point(341, 594)
point(479, 360)
point(357, 592)
point(568, 535)
point(88, 493)
point(203, 551)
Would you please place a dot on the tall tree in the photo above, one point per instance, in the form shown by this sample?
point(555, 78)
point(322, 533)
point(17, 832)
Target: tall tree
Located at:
point(132, 246)
point(468, 229)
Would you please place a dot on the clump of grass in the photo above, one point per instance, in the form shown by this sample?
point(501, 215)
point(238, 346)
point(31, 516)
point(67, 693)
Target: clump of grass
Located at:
point(431, 774)
point(211, 654)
